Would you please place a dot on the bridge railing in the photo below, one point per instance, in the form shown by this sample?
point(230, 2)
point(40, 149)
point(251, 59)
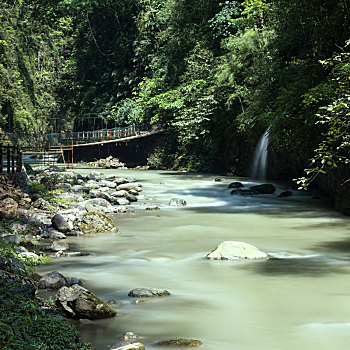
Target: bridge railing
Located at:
point(10, 159)
point(46, 141)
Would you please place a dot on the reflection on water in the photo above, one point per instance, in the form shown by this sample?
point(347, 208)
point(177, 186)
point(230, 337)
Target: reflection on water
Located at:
point(245, 305)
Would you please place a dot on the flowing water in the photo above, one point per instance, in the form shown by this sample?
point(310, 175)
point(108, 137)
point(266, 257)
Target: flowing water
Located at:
point(260, 157)
point(298, 301)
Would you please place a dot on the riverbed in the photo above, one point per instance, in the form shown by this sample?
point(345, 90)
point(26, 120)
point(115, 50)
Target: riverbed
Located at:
point(298, 300)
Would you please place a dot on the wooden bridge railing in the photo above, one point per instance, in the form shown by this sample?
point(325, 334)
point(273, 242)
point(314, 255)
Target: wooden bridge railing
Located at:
point(13, 156)
point(46, 141)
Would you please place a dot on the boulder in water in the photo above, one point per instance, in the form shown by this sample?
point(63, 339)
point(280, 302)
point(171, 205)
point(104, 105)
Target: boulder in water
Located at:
point(264, 188)
point(95, 222)
point(235, 184)
point(247, 192)
point(177, 202)
point(78, 302)
point(232, 250)
point(148, 293)
point(181, 343)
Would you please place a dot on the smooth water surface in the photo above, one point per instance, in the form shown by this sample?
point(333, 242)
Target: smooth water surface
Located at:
point(298, 301)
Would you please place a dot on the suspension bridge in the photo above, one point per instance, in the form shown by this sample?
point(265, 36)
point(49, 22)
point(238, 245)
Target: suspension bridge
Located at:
point(84, 145)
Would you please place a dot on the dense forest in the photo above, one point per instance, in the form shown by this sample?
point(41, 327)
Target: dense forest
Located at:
point(214, 74)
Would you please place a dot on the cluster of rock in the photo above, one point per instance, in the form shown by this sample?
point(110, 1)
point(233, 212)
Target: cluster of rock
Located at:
point(237, 188)
point(108, 163)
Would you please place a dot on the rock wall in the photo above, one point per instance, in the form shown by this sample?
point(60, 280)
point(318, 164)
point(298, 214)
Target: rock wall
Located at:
point(14, 180)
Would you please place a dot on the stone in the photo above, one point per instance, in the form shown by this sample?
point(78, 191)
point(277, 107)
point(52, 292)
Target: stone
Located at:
point(232, 250)
point(60, 223)
point(148, 293)
point(180, 343)
point(121, 180)
point(264, 188)
point(131, 198)
point(122, 193)
point(95, 222)
point(53, 234)
point(133, 346)
point(13, 239)
point(108, 184)
point(78, 302)
point(29, 255)
point(235, 184)
point(52, 280)
point(177, 202)
point(134, 192)
point(98, 204)
point(122, 201)
point(80, 188)
point(57, 246)
point(41, 204)
point(21, 249)
point(285, 194)
point(130, 186)
point(73, 280)
point(218, 179)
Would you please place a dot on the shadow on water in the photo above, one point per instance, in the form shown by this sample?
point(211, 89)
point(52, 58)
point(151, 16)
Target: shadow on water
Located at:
point(308, 267)
point(342, 246)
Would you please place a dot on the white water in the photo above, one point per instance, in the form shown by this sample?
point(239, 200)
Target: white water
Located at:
point(260, 158)
point(298, 301)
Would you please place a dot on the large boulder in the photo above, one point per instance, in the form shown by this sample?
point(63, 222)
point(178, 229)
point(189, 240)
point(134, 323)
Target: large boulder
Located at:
point(78, 302)
point(235, 184)
point(264, 188)
point(95, 222)
point(232, 250)
point(52, 280)
point(13, 239)
point(148, 293)
point(60, 223)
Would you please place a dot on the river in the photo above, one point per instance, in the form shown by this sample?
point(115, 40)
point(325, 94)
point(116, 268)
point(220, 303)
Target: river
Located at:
point(298, 301)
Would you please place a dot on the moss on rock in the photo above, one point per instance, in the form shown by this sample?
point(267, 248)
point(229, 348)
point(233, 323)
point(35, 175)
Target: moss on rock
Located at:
point(95, 222)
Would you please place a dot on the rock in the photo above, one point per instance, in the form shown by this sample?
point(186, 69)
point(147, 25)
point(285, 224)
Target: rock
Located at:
point(21, 249)
point(245, 192)
point(74, 233)
point(232, 250)
point(121, 180)
point(264, 188)
point(235, 184)
point(129, 337)
point(57, 246)
point(41, 204)
point(52, 280)
point(180, 343)
point(133, 346)
point(122, 193)
point(78, 302)
point(130, 186)
point(29, 255)
point(93, 185)
point(110, 177)
point(108, 184)
point(177, 202)
point(95, 222)
point(70, 197)
point(100, 194)
point(80, 188)
point(13, 239)
point(96, 173)
point(98, 204)
point(122, 201)
point(148, 293)
point(285, 194)
point(53, 234)
point(90, 177)
point(60, 223)
point(131, 198)
point(134, 192)
point(73, 280)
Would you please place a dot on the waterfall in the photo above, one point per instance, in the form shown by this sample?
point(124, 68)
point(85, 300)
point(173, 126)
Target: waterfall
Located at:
point(260, 157)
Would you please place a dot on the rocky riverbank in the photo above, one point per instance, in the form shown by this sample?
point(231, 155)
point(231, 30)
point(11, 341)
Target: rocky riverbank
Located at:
point(37, 216)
